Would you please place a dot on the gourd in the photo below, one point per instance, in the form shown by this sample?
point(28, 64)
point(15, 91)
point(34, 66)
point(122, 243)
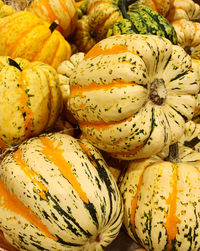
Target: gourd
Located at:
point(161, 201)
point(31, 99)
point(132, 94)
point(63, 11)
point(57, 194)
point(143, 20)
point(191, 135)
point(101, 15)
point(184, 9)
point(185, 18)
point(64, 71)
point(32, 39)
point(5, 10)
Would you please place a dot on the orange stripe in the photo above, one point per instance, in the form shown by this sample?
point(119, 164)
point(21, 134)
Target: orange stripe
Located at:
point(129, 152)
point(195, 27)
point(171, 218)
point(101, 125)
point(98, 3)
point(100, 26)
point(14, 44)
point(87, 151)
point(78, 90)
point(48, 12)
point(155, 5)
point(55, 155)
point(11, 202)
point(97, 50)
point(3, 144)
point(37, 55)
point(55, 52)
point(39, 188)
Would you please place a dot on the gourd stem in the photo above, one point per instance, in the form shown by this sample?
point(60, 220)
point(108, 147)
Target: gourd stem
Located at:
point(173, 153)
point(14, 63)
point(53, 26)
point(123, 6)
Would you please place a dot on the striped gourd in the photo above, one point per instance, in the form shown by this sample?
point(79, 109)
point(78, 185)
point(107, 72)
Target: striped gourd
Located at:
point(132, 94)
point(30, 99)
point(32, 39)
point(57, 194)
point(144, 20)
point(63, 11)
point(161, 201)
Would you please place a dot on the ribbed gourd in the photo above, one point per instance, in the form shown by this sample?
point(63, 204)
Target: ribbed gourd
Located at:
point(101, 15)
point(143, 20)
point(161, 201)
point(30, 99)
point(132, 94)
point(33, 39)
point(65, 12)
point(185, 16)
point(57, 194)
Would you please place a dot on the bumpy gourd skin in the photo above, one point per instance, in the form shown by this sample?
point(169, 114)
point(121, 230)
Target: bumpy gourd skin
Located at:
point(32, 39)
point(57, 194)
point(133, 93)
point(30, 99)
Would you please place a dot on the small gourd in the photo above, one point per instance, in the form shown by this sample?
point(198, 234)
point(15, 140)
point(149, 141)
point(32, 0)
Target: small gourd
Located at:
point(33, 39)
point(63, 11)
point(31, 99)
point(161, 200)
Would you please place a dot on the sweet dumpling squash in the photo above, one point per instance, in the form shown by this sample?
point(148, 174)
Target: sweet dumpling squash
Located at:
point(57, 194)
point(30, 99)
point(132, 94)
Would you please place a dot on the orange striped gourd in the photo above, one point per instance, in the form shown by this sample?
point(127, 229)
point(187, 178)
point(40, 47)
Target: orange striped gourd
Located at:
point(33, 39)
point(57, 194)
point(132, 94)
point(30, 99)
point(161, 201)
point(63, 11)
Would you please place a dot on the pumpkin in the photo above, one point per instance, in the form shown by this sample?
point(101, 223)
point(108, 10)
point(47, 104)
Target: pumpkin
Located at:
point(30, 97)
point(64, 11)
point(57, 194)
point(144, 20)
point(32, 39)
point(132, 94)
point(161, 201)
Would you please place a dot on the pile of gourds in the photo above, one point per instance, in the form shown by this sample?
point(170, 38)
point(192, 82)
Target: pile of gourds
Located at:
point(99, 124)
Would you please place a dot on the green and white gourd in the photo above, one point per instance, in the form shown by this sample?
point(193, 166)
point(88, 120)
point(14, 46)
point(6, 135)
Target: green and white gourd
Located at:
point(143, 20)
point(57, 194)
point(132, 94)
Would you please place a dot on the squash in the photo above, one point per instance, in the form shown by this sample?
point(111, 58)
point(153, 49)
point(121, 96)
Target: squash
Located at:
point(132, 94)
point(191, 136)
point(101, 15)
point(30, 99)
point(184, 9)
point(185, 16)
point(32, 39)
point(6, 10)
point(64, 11)
point(57, 194)
point(143, 20)
point(64, 71)
point(161, 201)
